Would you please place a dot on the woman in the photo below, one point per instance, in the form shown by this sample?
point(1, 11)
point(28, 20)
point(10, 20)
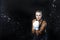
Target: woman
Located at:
point(38, 26)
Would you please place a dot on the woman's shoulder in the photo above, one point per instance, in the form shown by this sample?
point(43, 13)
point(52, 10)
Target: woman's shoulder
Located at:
point(44, 22)
point(33, 20)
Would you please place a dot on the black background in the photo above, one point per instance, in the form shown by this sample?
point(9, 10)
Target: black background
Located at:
point(16, 17)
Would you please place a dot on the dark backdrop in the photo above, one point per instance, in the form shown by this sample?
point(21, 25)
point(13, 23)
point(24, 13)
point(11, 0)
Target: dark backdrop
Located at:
point(16, 17)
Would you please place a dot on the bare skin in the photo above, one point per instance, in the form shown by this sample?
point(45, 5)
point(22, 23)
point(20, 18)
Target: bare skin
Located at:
point(43, 25)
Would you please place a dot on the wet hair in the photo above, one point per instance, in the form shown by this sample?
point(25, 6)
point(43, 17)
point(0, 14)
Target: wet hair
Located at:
point(38, 11)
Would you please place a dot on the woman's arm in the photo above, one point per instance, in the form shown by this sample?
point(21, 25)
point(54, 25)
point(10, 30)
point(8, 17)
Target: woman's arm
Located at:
point(43, 25)
point(32, 26)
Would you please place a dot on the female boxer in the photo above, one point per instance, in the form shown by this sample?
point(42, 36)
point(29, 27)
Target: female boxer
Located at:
point(38, 26)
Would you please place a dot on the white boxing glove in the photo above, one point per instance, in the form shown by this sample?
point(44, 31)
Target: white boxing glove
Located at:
point(36, 25)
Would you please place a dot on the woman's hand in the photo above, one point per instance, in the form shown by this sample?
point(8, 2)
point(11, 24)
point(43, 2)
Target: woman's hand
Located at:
point(40, 32)
point(37, 32)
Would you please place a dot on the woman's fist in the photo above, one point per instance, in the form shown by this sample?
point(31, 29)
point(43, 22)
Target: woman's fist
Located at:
point(36, 25)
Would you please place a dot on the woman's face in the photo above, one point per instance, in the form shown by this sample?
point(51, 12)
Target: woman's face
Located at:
point(38, 15)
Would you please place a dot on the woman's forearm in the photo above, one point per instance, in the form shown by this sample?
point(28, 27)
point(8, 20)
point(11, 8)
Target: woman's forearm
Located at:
point(42, 29)
point(42, 26)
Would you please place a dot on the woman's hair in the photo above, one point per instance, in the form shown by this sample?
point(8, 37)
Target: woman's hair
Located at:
point(38, 11)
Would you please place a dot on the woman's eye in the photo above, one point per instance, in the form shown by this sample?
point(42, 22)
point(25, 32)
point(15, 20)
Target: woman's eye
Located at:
point(39, 15)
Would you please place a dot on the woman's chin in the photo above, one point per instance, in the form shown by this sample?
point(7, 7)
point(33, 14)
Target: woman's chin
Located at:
point(38, 19)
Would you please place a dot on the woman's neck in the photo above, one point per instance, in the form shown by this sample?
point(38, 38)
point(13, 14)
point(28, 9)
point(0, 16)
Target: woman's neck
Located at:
point(39, 20)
